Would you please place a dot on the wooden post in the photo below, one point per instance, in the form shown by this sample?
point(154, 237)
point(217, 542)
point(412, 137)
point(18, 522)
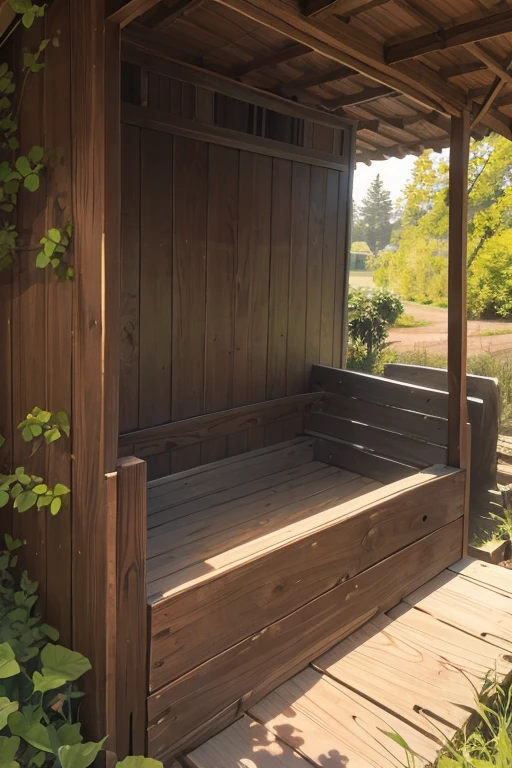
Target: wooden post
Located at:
point(132, 668)
point(457, 268)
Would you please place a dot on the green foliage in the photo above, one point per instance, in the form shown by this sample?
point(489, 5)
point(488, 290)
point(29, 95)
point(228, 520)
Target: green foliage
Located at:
point(371, 314)
point(418, 269)
point(372, 222)
point(489, 746)
point(28, 11)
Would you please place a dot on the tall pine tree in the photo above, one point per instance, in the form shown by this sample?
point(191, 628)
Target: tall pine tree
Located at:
point(374, 216)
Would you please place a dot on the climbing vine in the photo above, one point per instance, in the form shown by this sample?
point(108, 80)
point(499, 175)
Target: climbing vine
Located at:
point(39, 697)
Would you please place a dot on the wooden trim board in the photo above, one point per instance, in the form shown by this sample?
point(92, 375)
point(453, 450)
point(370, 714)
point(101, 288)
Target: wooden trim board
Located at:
point(158, 120)
point(167, 437)
point(350, 457)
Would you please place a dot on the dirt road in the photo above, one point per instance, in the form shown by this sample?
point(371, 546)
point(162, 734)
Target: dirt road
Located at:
point(483, 335)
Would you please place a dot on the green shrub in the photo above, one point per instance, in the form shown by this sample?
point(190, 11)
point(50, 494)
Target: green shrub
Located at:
point(39, 697)
point(371, 314)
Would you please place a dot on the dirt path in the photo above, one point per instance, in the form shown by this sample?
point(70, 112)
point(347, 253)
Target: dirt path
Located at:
point(434, 336)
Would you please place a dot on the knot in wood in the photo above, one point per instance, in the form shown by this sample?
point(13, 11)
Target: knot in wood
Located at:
point(372, 539)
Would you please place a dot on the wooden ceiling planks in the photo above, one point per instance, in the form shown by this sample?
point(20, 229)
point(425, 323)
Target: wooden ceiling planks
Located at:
point(397, 58)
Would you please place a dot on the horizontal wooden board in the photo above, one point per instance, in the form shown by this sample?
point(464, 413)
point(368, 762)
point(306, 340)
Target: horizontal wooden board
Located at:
point(267, 658)
point(370, 464)
point(480, 387)
point(320, 718)
point(179, 434)
point(409, 423)
point(376, 389)
point(191, 626)
point(490, 575)
point(389, 444)
point(158, 120)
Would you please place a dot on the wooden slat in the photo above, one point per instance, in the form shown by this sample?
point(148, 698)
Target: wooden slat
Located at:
point(330, 256)
point(317, 78)
point(467, 605)
point(123, 12)
point(195, 430)
point(221, 256)
point(130, 279)
point(285, 647)
point(342, 455)
point(386, 660)
point(167, 123)
point(459, 34)
point(317, 203)
point(491, 576)
point(322, 717)
point(389, 444)
point(295, 363)
point(375, 389)
point(457, 282)
point(189, 288)
point(131, 677)
point(362, 532)
point(433, 429)
point(360, 97)
point(227, 747)
point(165, 16)
point(289, 53)
point(252, 295)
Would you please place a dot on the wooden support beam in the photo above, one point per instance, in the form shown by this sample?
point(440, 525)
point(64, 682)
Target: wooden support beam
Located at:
point(270, 60)
point(499, 68)
point(491, 97)
point(355, 49)
point(457, 277)
point(164, 15)
point(318, 78)
point(361, 97)
point(460, 34)
point(461, 69)
point(345, 8)
point(122, 12)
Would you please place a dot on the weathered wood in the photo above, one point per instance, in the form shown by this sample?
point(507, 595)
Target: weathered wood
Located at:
point(272, 656)
point(459, 34)
point(457, 281)
point(375, 389)
point(138, 51)
point(195, 430)
point(362, 532)
point(356, 460)
point(430, 428)
point(390, 444)
point(320, 9)
point(164, 122)
point(131, 677)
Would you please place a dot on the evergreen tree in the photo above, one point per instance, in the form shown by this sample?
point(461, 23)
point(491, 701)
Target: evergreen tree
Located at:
point(374, 216)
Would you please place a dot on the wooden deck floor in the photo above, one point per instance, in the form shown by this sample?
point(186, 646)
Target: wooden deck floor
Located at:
point(212, 518)
point(410, 671)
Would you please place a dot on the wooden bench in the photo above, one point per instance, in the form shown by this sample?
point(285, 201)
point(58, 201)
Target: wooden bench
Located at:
point(259, 562)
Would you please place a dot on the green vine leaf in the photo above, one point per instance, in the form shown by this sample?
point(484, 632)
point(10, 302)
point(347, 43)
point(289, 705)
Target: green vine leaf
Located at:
point(80, 755)
point(7, 707)
point(9, 746)
point(62, 662)
point(8, 664)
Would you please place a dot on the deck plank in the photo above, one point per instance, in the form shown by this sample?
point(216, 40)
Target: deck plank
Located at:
point(328, 723)
point(410, 671)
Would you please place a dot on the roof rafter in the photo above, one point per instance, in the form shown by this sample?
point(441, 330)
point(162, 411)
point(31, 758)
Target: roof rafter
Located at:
point(419, 13)
point(489, 100)
point(165, 15)
point(122, 12)
point(367, 94)
point(314, 79)
point(460, 34)
point(461, 69)
point(355, 49)
point(500, 69)
point(344, 8)
point(288, 53)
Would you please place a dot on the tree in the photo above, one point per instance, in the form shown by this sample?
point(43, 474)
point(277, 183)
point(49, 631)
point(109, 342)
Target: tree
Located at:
point(374, 216)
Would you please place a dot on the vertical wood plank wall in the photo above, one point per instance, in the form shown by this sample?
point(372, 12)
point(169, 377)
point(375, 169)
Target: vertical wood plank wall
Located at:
point(232, 279)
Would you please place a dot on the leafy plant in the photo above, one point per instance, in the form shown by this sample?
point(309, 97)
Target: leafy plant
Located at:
point(371, 314)
point(39, 695)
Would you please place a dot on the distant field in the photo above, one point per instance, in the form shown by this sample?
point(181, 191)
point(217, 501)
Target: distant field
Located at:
point(361, 279)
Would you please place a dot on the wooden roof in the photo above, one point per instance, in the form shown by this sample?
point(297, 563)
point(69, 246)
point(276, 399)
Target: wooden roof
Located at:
point(398, 67)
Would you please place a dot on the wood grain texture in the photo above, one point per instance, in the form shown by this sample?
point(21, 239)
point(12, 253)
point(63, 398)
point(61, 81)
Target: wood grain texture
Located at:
point(295, 362)
point(270, 657)
point(131, 675)
point(302, 566)
point(357, 460)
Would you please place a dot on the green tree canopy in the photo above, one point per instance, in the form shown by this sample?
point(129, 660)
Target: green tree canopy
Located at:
point(418, 269)
point(373, 217)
